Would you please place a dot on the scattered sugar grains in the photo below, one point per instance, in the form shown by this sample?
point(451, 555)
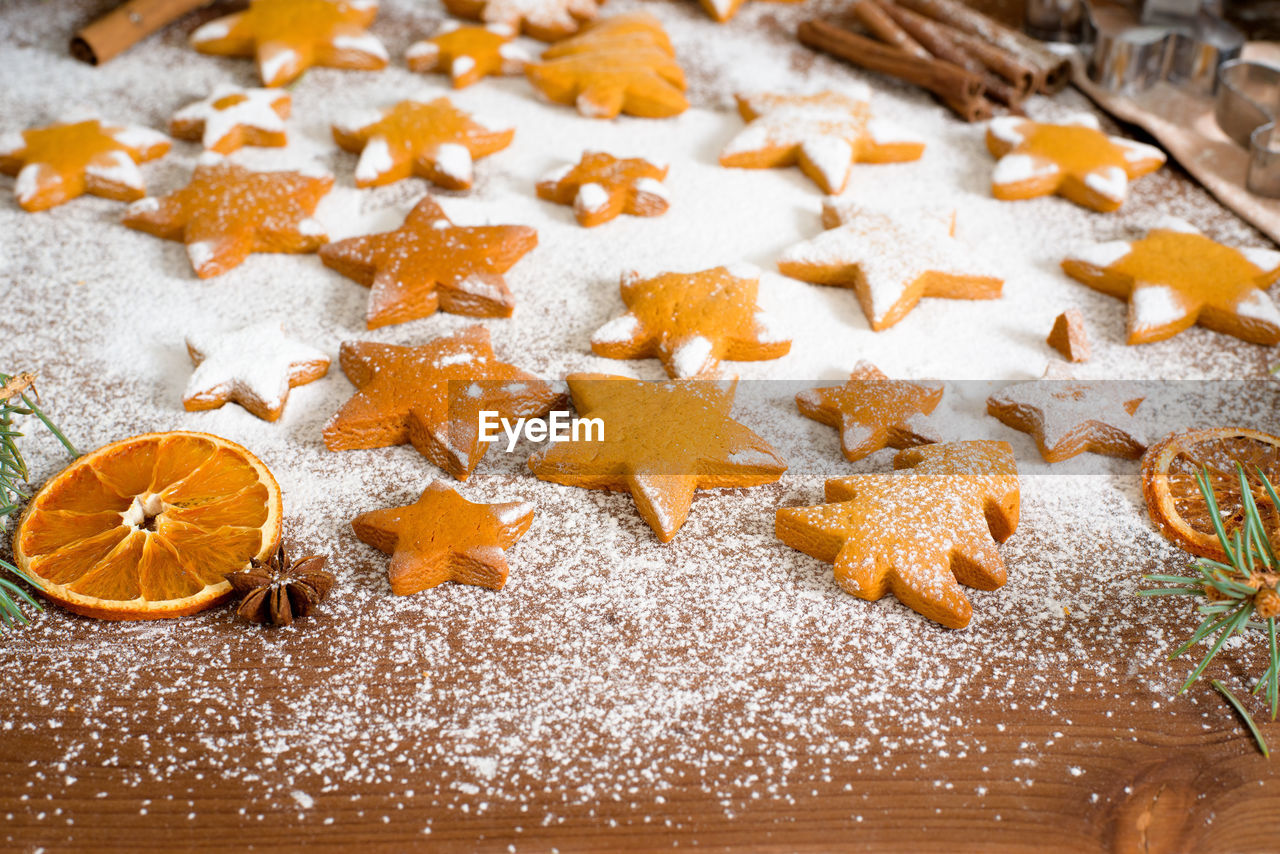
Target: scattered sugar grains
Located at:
point(612, 668)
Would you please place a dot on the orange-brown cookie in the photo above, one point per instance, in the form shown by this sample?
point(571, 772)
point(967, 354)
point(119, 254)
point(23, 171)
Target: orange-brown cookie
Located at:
point(690, 321)
point(1077, 161)
point(1069, 417)
point(62, 161)
point(430, 263)
point(624, 64)
point(723, 10)
point(601, 186)
point(233, 117)
point(544, 20)
point(228, 211)
point(824, 134)
point(918, 534)
point(1069, 337)
point(467, 54)
point(287, 37)
point(254, 366)
point(662, 441)
point(872, 411)
point(444, 537)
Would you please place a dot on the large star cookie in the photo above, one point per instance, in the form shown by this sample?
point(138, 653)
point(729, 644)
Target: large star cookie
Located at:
point(287, 37)
point(1069, 417)
point(434, 140)
point(233, 117)
point(254, 366)
point(227, 211)
point(1077, 161)
point(891, 259)
point(918, 534)
point(872, 411)
point(444, 537)
point(661, 442)
point(62, 161)
point(1176, 277)
point(431, 397)
point(690, 321)
point(545, 20)
point(430, 263)
point(467, 54)
point(601, 186)
point(723, 10)
point(825, 134)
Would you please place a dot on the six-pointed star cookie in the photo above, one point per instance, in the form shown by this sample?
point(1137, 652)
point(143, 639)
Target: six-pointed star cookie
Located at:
point(1069, 417)
point(544, 20)
point(431, 397)
point(233, 117)
point(723, 10)
point(690, 321)
point(891, 259)
point(872, 411)
point(228, 211)
point(1176, 277)
point(601, 186)
point(289, 36)
point(825, 134)
point(661, 442)
point(433, 139)
point(444, 537)
point(254, 366)
point(1077, 161)
point(918, 534)
point(430, 263)
point(59, 162)
point(467, 54)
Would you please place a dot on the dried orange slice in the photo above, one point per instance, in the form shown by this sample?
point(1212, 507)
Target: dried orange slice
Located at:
point(148, 527)
point(1174, 500)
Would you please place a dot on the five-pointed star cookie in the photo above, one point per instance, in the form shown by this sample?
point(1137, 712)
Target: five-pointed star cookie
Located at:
point(287, 37)
point(723, 10)
point(825, 134)
point(872, 411)
point(59, 162)
point(431, 397)
point(430, 263)
point(1176, 277)
point(661, 442)
point(1077, 161)
point(1069, 417)
point(233, 117)
point(690, 321)
point(467, 54)
point(444, 537)
point(544, 20)
point(918, 534)
point(227, 211)
point(433, 139)
point(601, 186)
point(254, 366)
point(891, 259)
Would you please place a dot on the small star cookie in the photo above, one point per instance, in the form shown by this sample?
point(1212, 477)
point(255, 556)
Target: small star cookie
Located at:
point(690, 321)
point(254, 366)
point(444, 537)
point(825, 134)
point(467, 54)
point(1069, 417)
point(63, 161)
point(544, 20)
point(430, 263)
point(1076, 160)
point(723, 10)
point(601, 186)
point(233, 117)
point(872, 411)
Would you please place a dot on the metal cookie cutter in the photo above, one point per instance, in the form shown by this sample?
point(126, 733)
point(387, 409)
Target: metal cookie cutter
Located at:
point(1248, 111)
point(1128, 57)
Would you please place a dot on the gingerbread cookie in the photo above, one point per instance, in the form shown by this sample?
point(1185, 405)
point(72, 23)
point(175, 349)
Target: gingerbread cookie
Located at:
point(254, 367)
point(601, 186)
point(233, 117)
point(824, 134)
point(1077, 161)
point(918, 534)
point(661, 442)
point(228, 211)
point(63, 161)
point(1068, 336)
point(690, 321)
point(544, 20)
point(287, 37)
point(872, 411)
point(1069, 417)
point(723, 10)
point(444, 537)
point(467, 54)
point(430, 263)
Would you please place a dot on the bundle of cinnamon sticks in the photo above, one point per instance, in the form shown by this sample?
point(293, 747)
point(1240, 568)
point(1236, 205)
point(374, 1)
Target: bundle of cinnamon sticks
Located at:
point(969, 61)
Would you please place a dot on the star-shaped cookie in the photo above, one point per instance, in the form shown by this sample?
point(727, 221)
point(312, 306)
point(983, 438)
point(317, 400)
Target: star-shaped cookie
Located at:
point(601, 186)
point(287, 37)
point(254, 366)
point(62, 161)
point(1076, 160)
point(1175, 278)
point(432, 139)
point(662, 441)
point(544, 20)
point(467, 54)
point(872, 411)
point(227, 211)
point(723, 10)
point(891, 259)
point(690, 321)
point(431, 397)
point(825, 134)
point(918, 534)
point(233, 117)
point(444, 537)
point(430, 263)
point(1069, 417)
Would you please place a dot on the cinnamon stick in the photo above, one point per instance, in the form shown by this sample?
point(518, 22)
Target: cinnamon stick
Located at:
point(882, 26)
point(1021, 76)
point(125, 25)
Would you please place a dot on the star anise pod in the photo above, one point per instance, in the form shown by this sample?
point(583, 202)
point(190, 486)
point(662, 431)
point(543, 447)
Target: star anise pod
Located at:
point(277, 590)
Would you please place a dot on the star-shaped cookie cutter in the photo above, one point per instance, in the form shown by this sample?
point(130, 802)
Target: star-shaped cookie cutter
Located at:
point(1248, 111)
